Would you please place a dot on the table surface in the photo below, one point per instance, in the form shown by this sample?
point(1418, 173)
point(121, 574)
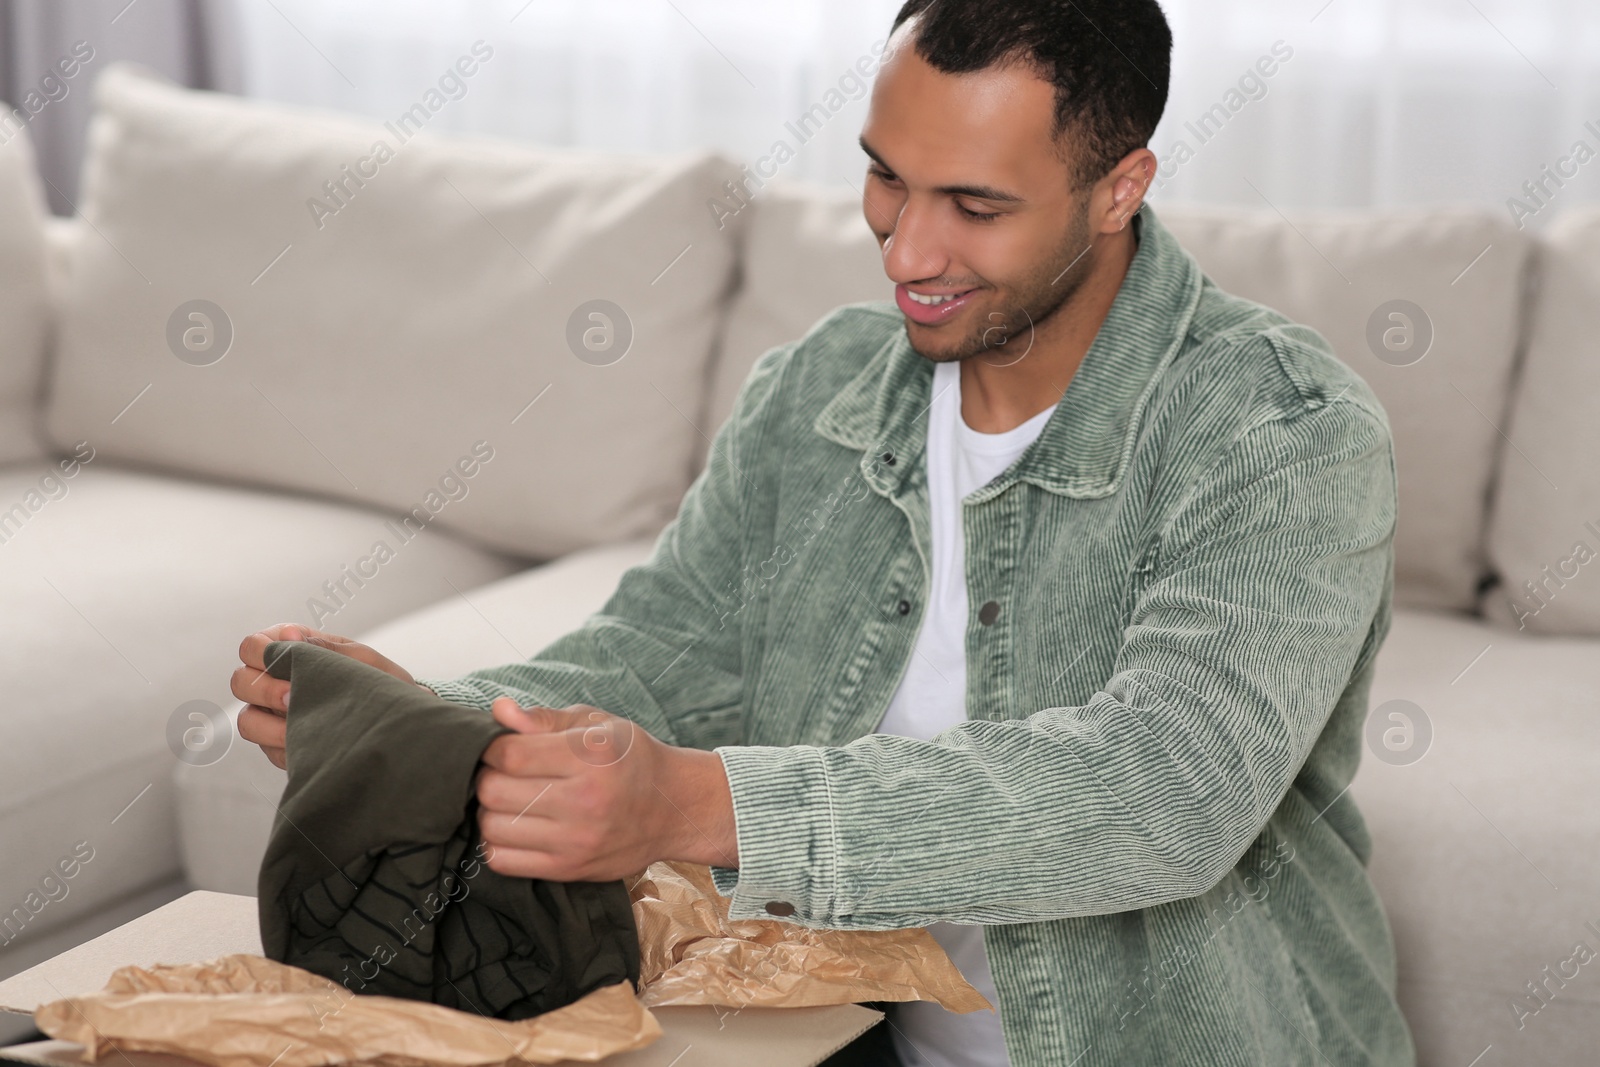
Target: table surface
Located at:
point(197, 926)
point(203, 925)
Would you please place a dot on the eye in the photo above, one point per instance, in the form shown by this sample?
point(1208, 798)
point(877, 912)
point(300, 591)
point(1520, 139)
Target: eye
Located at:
point(977, 216)
point(881, 174)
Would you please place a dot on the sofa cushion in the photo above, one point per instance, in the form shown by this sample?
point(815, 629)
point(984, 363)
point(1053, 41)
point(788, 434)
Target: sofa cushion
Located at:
point(224, 813)
point(1544, 533)
point(804, 250)
point(808, 249)
point(24, 302)
point(1482, 847)
point(306, 301)
point(1343, 275)
point(126, 596)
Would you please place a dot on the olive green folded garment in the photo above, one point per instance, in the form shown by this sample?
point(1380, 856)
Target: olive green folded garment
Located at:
point(374, 874)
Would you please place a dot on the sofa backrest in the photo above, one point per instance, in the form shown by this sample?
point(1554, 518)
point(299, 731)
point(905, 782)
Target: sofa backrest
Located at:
point(24, 304)
point(804, 249)
point(1427, 306)
point(510, 339)
point(1544, 533)
point(807, 249)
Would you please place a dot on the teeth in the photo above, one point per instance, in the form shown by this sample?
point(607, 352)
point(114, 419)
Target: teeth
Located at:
point(931, 301)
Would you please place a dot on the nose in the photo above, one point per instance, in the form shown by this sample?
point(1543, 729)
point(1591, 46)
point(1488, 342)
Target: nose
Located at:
point(911, 251)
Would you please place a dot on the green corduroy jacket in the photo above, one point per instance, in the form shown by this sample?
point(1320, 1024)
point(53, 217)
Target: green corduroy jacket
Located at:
point(1178, 594)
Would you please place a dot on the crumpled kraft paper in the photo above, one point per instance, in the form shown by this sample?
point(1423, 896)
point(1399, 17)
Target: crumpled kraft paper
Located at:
point(690, 952)
point(248, 1011)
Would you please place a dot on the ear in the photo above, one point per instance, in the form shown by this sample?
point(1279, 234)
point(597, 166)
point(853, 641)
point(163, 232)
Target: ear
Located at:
point(1120, 194)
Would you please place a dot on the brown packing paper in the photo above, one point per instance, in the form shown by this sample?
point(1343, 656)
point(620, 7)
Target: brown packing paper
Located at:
point(247, 1011)
point(692, 953)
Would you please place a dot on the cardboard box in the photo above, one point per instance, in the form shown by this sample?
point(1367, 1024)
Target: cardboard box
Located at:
point(204, 925)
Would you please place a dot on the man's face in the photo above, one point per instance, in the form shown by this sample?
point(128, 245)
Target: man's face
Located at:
point(969, 197)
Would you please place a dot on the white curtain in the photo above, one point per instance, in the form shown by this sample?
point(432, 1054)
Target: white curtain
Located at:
point(1296, 104)
point(620, 75)
point(1384, 102)
point(190, 41)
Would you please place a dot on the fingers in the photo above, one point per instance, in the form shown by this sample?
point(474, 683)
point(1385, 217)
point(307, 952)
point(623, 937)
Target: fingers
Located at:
point(533, 755)
point(262, 727)
point(526, 863)
point(513, 794)
point(346, 647)
point(253, 648)
point(593, 737)
point(267, 698)
point(259, 688)
point(507, 713)
point(553, 801)
point(525, 830)
point(536, 719)
point(537, 847)
point(254, 645)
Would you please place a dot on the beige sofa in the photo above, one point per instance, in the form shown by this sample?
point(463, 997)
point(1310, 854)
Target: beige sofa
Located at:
point(394, 417)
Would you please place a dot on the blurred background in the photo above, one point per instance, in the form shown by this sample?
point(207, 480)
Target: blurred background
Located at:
point(1371, 103)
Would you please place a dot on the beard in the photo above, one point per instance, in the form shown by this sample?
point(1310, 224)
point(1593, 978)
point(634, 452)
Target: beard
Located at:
point(1005, 331)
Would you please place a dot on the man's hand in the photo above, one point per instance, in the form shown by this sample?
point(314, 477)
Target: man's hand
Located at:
point(267, 698)
point(580, 795)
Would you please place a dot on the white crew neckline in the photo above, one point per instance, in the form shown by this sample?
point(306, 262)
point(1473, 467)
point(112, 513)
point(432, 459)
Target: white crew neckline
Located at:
point(976, 440)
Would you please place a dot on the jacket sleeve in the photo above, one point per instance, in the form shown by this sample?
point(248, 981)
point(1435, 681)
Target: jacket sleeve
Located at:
point(1270, 582)
point(664, 650)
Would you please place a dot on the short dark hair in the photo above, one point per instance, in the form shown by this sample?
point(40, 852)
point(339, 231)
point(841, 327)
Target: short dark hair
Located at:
point(1110, 62)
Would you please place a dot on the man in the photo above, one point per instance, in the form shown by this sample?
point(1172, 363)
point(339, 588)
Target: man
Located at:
point(1040, 609)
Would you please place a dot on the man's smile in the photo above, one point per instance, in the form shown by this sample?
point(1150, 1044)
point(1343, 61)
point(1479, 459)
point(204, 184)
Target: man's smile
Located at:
point(929, 308)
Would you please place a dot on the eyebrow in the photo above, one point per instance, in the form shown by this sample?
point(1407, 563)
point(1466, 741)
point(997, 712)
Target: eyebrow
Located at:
point(977, 192)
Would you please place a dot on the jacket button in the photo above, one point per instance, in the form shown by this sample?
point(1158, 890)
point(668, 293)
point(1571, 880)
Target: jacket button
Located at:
point(779, 907)
point(988, 613)
point(888, 457)
point(904, 607)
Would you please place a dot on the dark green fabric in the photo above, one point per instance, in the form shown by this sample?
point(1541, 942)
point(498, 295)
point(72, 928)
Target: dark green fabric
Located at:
point(374, 878)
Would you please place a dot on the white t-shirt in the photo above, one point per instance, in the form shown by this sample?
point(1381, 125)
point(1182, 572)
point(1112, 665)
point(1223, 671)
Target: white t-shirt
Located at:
point(932, 697)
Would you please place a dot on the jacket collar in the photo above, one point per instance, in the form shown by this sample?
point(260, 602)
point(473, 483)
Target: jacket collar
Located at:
point(1086, 444)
